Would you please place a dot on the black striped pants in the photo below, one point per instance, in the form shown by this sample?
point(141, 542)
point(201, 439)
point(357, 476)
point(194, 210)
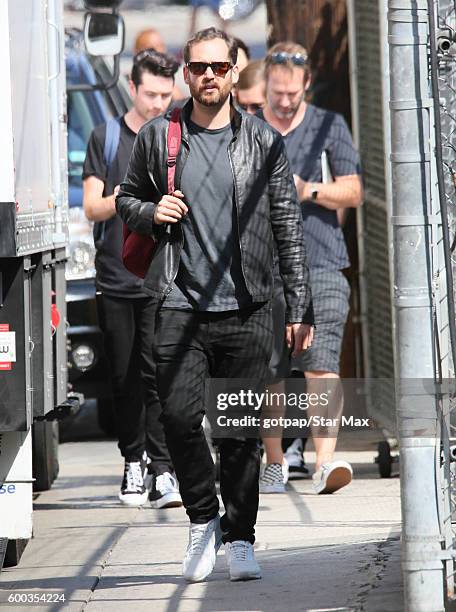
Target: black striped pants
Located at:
point(190, 346)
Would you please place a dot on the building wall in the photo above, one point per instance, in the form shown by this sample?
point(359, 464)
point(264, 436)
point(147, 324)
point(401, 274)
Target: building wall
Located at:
point(370, 91)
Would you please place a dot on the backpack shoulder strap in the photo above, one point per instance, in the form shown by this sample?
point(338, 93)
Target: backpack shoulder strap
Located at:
point(111, 144)
point(112, 140)
point(174, 142)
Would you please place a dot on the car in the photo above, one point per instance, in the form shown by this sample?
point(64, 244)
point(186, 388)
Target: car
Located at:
point(85, 109)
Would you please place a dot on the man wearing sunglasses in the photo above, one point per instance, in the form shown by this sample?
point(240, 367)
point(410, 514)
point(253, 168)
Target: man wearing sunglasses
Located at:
point(251, 87)
point(312, 135)
point(212, 277)
point(126, 313)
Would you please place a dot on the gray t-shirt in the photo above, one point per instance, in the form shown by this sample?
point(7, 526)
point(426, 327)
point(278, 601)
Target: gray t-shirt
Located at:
point(319, 131)
point(209, 276)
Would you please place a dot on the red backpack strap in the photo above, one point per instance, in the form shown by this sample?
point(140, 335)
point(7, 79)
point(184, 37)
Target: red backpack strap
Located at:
point(174, 141)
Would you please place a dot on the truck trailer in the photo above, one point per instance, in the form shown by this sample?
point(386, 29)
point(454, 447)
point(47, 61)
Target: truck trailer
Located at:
point(33, 248)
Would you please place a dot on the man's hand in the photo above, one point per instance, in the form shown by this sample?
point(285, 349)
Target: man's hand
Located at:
point(302, 188)
point(170, 209)
point(299, 337)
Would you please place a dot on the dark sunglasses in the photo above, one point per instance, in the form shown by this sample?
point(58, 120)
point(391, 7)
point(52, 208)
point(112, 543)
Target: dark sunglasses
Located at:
point(220, 69)
point(282, 57)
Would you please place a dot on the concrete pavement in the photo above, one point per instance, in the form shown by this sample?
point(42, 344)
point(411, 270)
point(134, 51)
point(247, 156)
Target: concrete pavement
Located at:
point(338, 552)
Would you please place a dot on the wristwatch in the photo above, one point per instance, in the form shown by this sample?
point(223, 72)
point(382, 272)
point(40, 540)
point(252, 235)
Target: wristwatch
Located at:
point(313, 191)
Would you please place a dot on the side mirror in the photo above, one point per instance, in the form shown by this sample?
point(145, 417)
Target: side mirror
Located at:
point(104, 33)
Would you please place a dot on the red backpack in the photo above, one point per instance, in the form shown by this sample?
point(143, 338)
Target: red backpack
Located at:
point(138, 249)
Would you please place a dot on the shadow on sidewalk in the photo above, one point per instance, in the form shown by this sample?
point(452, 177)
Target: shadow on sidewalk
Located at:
point(331, 577)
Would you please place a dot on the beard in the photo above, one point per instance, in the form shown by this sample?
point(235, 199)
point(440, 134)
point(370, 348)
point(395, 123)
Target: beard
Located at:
point(217, 97)
point(285, 115)
point(280, 114)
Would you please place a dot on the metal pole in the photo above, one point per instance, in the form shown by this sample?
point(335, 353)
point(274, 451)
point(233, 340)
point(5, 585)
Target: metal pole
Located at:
point(442, 23)
point(411, 205)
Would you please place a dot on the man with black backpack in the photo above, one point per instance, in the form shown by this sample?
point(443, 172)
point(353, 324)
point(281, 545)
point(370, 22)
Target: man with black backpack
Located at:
point(126, 313)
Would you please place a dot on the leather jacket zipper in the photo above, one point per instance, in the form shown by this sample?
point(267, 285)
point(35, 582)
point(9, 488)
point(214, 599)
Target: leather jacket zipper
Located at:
point(237, 213)
point(177, 180)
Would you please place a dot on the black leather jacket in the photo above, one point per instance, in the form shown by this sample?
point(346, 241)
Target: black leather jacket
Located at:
point(266, 205)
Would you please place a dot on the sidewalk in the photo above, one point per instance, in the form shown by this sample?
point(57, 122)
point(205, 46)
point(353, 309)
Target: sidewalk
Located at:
point(338, 552)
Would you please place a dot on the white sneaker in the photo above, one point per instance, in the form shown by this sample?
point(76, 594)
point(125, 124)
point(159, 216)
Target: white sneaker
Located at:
point(204, 542)
point(164, 492)
point(241, 561)
point(274, 478)
point(332, 477)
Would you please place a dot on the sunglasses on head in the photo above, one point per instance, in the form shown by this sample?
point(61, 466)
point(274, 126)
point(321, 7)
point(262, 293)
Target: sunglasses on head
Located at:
point(220, 69)
point(282, 57)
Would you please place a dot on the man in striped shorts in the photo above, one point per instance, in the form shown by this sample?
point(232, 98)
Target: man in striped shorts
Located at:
point(310, 135)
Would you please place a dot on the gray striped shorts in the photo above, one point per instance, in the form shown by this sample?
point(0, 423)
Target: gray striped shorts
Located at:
point(330, 295)
point(331, 302)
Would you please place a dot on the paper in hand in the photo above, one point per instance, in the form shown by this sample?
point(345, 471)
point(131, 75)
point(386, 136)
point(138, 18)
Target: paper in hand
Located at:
point(326, 174)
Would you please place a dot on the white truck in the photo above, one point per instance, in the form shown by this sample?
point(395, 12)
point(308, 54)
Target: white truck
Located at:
point(33, 240)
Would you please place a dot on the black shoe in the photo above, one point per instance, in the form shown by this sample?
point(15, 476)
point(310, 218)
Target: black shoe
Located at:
point(298, 471)
point(147, 473)
point(296, 465)
point(164, 492)
point(132, 490)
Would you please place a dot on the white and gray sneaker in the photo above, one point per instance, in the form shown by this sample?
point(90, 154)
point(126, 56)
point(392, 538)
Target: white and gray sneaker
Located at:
point(332, 476)
point(241, 561)
point(164, 492)
point(132, 490)
point(295, 459)
point(204, 541)
point(274, 478)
